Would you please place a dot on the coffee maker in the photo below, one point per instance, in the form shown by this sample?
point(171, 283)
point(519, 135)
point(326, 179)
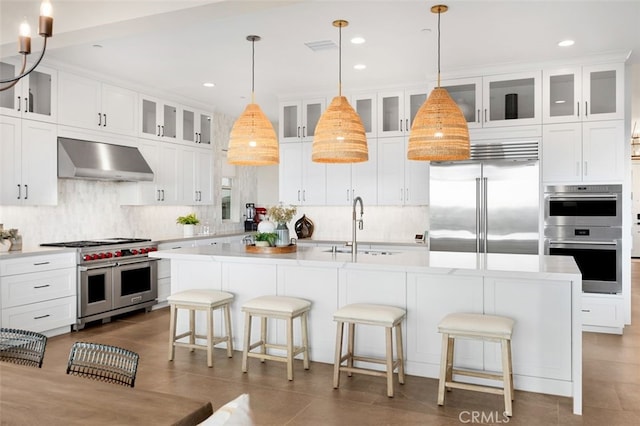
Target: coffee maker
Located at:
point(250, 215)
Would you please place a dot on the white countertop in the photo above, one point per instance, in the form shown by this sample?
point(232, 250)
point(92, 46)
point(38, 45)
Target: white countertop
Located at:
point(407, 261)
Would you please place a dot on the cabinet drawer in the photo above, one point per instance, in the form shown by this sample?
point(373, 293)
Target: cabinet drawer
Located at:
point(603, 312)
point(41, 316)
point(164, 268)
point(27, 264)
point(37, 287)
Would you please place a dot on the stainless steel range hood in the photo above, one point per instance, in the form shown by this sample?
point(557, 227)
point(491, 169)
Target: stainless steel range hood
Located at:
point(80, 159)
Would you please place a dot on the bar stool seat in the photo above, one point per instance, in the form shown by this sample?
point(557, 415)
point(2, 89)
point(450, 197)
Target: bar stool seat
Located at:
point(276, 307)
point(476, 326)
point(389, 317)
point(200, 300)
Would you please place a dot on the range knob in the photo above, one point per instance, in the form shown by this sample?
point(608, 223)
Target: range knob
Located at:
point(143, 250)
point(86, 257)
point(108, 255)
point(134, 251)
point(118, 253)
point(153, 248)
point(94, 256)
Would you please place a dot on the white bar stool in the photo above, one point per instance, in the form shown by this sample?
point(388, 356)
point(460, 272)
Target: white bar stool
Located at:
point(276, 307)
point(389, 317)
point(200, 300)
point(476, 326)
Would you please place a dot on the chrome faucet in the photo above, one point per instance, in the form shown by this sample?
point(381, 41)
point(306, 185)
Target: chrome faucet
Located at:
point(354, 243)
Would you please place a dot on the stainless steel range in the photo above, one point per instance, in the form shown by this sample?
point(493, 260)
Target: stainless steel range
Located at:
point(115, 276)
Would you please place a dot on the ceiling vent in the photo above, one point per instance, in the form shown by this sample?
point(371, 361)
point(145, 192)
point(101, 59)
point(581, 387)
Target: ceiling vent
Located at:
point(321, 45)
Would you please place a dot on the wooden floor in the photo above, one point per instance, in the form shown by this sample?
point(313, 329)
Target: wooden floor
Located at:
point(611, 382)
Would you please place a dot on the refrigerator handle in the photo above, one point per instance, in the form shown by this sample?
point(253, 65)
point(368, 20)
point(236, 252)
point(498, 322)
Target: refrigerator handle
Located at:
point(478, 216)
point(485, 225)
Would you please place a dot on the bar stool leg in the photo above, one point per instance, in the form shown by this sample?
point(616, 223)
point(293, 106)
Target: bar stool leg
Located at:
point(192, 328)
point(290, 349)
point(389, 351)
point(506, 378)
point(305, 341)
point(337, 362)
point(451, 350)
point(172, 332)
point(400, 352)
point(511, 372)
point(263, 336)
point(351, 346)
point(227, 322)
point(247, 340)
point(444, 363)
point(209, 337)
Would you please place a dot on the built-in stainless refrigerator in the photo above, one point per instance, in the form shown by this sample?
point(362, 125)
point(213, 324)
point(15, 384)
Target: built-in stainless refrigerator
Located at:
point(489, 204)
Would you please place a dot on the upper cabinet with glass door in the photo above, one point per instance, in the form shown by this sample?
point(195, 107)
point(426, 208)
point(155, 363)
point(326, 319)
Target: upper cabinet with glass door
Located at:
point(498, 100)
point(397, 109)
point(366, 106)
point(159, 119)
point(34, 97)
point(196, 126)
point(583, 93)
point(298, 119)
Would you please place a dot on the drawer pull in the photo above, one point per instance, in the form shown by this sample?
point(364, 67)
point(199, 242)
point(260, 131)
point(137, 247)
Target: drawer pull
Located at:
point(42, 286)
point(41, 263)
point(42, 316)
point(586, 310)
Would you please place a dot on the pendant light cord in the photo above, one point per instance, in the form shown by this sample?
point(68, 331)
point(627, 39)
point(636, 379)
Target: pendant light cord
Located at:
point(340, 61)
point(253, 69)
point(438, 47)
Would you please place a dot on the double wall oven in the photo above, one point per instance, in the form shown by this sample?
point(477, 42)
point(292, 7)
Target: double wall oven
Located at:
point(585, 221)
point(115, 276)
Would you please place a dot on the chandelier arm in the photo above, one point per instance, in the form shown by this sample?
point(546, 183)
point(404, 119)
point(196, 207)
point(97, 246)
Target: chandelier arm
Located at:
point(10, 85)
point(25, 73)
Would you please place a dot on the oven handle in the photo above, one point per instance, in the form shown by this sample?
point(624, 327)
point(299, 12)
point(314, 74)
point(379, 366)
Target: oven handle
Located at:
point(582, 197)
point(133, 262)
point(115, 264)
point(586, 243)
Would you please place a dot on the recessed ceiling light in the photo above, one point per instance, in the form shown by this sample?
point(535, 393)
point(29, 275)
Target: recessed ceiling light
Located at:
point(359, 67)
point(358, 40)
point(561, 101)
point(565, 43)
point(208, 85)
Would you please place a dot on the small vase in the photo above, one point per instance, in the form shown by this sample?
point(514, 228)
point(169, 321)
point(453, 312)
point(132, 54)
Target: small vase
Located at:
point(5, 245)
point(283, 234)
point(189, 230)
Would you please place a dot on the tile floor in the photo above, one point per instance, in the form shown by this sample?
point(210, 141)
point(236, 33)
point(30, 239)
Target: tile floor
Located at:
point(611, 382)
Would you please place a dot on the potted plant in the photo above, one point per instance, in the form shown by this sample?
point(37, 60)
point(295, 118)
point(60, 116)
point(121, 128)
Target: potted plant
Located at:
point(6, 238)
point(189, 221)
point(266, 239)
point(281, 215)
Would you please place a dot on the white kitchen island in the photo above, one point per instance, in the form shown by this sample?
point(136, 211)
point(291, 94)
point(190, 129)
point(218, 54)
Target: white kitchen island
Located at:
point(541, 293)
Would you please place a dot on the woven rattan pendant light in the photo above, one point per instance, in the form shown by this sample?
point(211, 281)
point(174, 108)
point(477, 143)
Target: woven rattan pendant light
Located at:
point(253, 141)
point(439, 131)
point(339, 135)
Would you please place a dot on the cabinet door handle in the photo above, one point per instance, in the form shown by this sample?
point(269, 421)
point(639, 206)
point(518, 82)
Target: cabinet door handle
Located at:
point(401, 194)
point(105, 120)
point(586, 310)
point(478, 116)
point(304, 195)
point(406, 124)
point(347, 194)
point(26, 192)
point(298, 195)
point(400, 125)
point(42, 316)
point(26, 105)
point(158, 130)
point(163, 195)
point(578, 108)
point(19, 102)
point(42, 286)
point(586, 108)
point(41, 263)
point(157, 195)
point(19, 191)
point(304, 131)
point(485, 115)
point(406, 194)
point(298, 136)
point(162, 131)
point(196, 137)
point(99, 119)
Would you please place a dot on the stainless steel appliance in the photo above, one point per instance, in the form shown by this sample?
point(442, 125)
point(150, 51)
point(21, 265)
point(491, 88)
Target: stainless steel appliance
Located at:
point(489, 204)
point(585, 221)
point(115, 276)
point(250, 215)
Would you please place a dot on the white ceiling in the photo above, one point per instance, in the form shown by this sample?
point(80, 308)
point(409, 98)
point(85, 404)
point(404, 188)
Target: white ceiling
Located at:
point(178, 45)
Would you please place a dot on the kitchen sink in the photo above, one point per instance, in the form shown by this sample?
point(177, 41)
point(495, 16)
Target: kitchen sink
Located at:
point(363, 251)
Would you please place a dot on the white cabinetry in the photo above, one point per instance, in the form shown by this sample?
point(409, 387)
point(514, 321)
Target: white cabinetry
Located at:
point(298, 119)
point(583, 93)
point(484, 100)
point(159, 119)
point(397, 109)
point(347, 181)
point(583, 152)
point(197, 165)
point(38, 293)
point(400, 181)
point(366, 106)
point(34, 97)
point(301, 180)
point(28, 166)
point(165, 189)
point(196, 126)
point(90, 104)
point(603, 313)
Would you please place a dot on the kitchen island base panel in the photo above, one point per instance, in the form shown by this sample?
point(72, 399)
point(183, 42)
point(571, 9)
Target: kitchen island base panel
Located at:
point(542, 293)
